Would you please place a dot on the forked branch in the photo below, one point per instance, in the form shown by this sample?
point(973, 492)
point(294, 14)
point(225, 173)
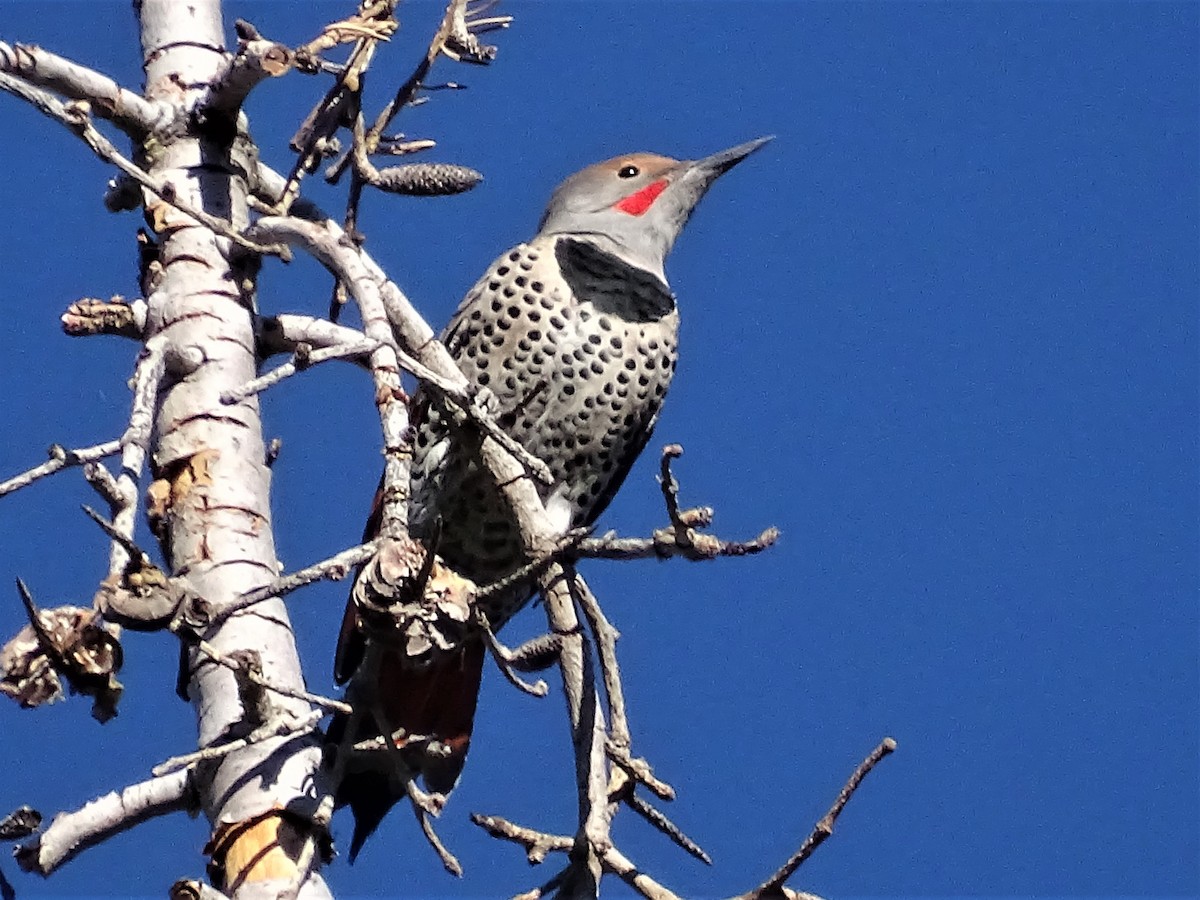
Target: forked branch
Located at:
point(683, 536)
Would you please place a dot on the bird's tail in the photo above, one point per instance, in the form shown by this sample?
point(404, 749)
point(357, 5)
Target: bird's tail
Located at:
point(434, 708)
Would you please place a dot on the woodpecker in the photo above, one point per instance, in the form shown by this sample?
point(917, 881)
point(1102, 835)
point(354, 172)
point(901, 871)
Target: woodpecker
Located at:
point(575, 336)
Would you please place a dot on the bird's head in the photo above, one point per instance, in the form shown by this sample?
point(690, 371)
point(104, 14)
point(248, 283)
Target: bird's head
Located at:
point(638, 203)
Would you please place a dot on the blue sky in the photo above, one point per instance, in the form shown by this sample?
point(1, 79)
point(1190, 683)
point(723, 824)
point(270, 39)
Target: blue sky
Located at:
point(942, 332)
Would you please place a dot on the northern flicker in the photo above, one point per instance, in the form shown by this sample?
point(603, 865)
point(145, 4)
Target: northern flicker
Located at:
point(575, 335)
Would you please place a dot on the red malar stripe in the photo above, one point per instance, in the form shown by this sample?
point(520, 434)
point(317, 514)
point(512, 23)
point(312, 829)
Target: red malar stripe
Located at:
point(637, 204)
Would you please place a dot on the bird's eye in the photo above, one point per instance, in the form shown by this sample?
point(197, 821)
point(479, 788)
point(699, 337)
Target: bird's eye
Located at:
point(628, 172)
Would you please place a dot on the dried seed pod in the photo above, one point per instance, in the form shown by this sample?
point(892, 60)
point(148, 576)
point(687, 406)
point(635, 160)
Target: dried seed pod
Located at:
point(72, 642)
point(427, 179)
point(20, 823)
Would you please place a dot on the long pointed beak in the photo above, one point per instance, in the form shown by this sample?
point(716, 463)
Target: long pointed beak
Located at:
point(689, 182)
point(697, 176)
point(719, 163)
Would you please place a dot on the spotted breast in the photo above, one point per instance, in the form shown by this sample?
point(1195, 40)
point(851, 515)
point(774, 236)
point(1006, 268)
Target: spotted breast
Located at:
point(577, 348)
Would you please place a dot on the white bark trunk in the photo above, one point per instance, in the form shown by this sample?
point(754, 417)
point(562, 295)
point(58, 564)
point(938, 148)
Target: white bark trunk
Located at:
point(217, 529)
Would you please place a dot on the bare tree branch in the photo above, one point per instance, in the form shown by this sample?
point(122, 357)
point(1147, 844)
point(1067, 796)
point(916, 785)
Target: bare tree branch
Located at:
point(374, 22)
point(666, 544)
point(682, 537)
point(773, 886)
point(255, 677)
point(76, 117)
point(506, 660)
point(69, 834)
point(538, 845)
point(285, 332)
point(389, 396)
point(302, 358)
point(639, 770)
point(659, 820)
point(60, 458)
point(587, 733)
point(335, 567)
point(278, 727)
point(130, 112)
point(116, 316)
point(455, 37)
point(135, 447)
point(429, 360)
point(256, 60)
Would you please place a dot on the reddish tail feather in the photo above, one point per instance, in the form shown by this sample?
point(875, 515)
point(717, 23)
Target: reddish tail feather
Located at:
point(438, 702)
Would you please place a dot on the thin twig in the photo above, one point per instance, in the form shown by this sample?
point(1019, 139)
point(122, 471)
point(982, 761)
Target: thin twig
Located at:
point(423, 805)
point(277, 728)
point(267, 195)
point(366, 28)
point(620, 865)
point(773, 886)
point(335, 568)
point(665, 544)
point(588, 731)
point(76, 117)
point(659, 820)
point(555, 882)
point(670, 487)
point(103, 482)
point(454, 38)
point(60, 458)
point(605, 637)
point(449, 861)
point(403, 95)
point(287, 331)
point(135, 446)
point(538, 845)
point(300, 361)
point(639, 770)
point(532, 569)
point(503, 657)
point(127, 543)
point(216, 656)
point(682, 537)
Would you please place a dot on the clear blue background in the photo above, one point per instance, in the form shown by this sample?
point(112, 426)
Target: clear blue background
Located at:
point(942, 332)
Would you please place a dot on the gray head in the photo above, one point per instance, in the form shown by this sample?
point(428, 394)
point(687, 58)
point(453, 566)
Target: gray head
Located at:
point(637, 204)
